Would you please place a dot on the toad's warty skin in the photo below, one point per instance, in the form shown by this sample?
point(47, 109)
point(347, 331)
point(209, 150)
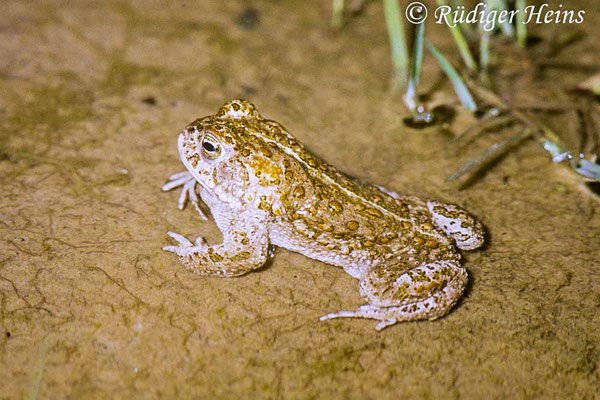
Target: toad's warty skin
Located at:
point(264, 188)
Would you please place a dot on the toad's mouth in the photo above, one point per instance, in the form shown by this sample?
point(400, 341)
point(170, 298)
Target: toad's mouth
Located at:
point(187, 151)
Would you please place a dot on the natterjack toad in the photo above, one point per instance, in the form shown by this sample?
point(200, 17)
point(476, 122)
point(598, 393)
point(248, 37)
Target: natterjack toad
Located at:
point(264, 188)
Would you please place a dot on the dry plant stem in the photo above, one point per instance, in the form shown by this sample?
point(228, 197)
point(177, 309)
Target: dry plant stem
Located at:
point(562, 40)
point(497, 149)
point(546, 108)
point(553, 63)
point(550, 141)
point(489, 154)
point(539, 130)
point(471, 133)
point(591, 144)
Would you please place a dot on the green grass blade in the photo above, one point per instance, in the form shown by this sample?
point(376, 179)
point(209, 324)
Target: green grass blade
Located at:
point(415, 70)
point(338, 14)
point(393, 20)
point(461, 43)
point(581, 166)
point(587, 169)
point(459, 85)
point(500, 5)
point(520, 23)
point(40, 369)
point(484, 52)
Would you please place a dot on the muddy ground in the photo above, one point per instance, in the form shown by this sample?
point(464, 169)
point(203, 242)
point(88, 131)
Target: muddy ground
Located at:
point(93, 97)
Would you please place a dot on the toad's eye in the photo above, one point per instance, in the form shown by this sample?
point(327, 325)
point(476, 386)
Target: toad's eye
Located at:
point(210, 147)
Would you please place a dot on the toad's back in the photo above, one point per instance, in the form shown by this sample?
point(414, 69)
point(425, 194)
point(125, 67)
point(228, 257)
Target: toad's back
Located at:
point(333, 218)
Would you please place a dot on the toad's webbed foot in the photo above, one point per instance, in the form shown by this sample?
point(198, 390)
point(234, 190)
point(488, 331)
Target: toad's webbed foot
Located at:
point(185, 247)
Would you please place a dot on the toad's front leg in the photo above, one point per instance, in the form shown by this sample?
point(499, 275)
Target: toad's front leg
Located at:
point(188, 191)
point(244, 248)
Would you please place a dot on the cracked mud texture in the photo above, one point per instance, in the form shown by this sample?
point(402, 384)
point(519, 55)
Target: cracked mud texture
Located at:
point(93, 96)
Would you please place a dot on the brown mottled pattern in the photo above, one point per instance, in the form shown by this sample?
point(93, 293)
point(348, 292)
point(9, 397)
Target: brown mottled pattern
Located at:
point(263, 186)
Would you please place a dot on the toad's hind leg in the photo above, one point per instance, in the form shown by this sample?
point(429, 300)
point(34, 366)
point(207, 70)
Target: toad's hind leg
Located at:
point(455, 222)
point(396, 294)
point(467, 232)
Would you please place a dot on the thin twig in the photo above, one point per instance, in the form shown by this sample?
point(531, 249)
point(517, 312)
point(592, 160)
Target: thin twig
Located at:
point(488, 155)
point(471, 133)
